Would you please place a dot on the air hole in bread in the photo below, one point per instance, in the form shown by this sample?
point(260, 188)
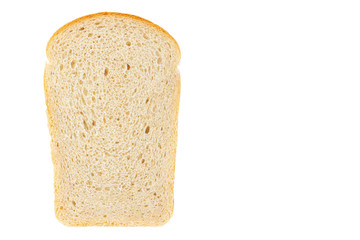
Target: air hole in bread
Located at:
point(106, 72)
point(145, 36)
point(85, 91)
point(85, 125)
point(90, 35)
point(81, 29)
point(147, 129)
point(61, 67)
point(127, 66)
point(73, 203)
point(159, 60)
point(128, 44)
point(72, 63)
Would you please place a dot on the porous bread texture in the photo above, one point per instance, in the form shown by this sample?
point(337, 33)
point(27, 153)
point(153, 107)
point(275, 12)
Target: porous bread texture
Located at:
point(112, 92)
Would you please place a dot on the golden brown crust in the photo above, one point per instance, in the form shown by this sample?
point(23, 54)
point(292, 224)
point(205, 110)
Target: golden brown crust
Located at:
point(124, 15)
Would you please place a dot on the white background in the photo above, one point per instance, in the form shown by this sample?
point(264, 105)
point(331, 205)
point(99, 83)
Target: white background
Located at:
point(269, 122)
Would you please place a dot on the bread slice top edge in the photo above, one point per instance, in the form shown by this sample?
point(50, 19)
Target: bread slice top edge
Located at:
point(116, 14)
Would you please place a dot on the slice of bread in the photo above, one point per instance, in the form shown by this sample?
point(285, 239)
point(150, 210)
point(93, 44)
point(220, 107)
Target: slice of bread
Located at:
point(112, 90)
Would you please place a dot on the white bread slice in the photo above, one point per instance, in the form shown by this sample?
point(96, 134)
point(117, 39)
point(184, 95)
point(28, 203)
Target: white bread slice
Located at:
point(112, 91)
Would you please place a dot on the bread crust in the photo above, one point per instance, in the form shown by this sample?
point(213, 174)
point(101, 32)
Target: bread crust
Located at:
point(123, 15)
